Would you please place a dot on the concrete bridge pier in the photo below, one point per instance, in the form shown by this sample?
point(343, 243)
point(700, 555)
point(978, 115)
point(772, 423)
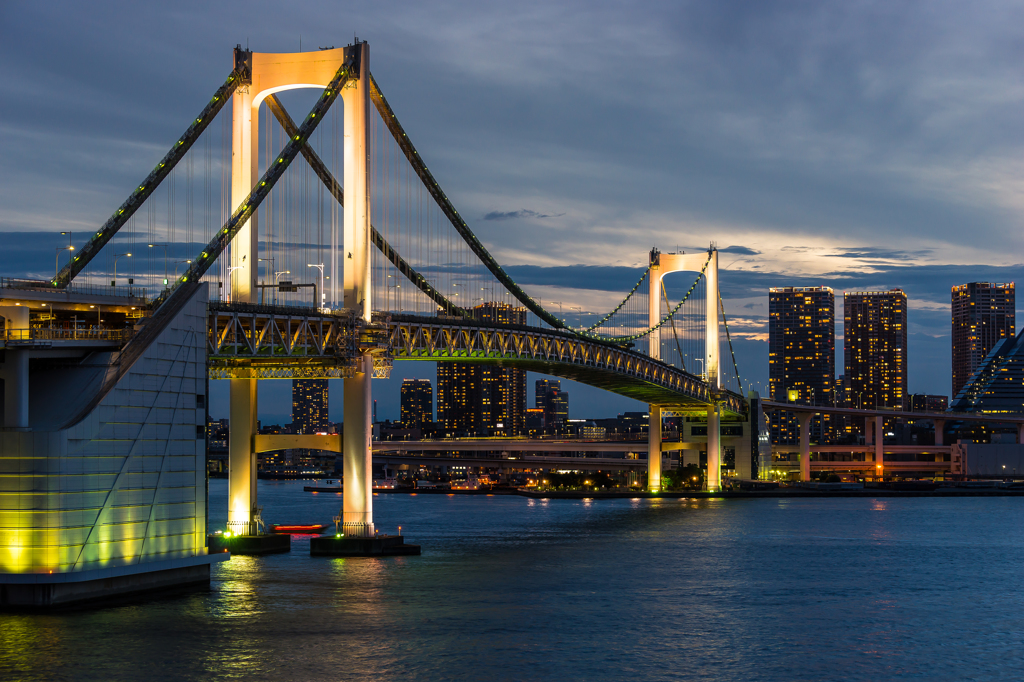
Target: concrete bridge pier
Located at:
point(714, 477)
point(654, 449)
point(805, 444)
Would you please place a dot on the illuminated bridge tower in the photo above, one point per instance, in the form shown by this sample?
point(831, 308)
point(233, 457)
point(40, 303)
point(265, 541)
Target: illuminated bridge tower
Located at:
point(272, 73)
point(661, 265)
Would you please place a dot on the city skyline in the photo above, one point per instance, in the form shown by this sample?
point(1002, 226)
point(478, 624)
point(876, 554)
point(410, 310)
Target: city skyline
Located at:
point(904, 208)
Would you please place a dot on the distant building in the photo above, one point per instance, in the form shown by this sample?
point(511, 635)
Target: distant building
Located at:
point(309, 405)
point(801, 357)
point(417, 403)
point(982, 314)
point(997, 385)
point(483, 399)
point(875, 347)
point(554, 401)
point(919, 402)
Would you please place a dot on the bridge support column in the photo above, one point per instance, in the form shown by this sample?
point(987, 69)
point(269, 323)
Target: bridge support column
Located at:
point(357, 510)
point(357, 461)
point(879, 442)
point(805, 444)
point(714, 476)
point(242, 456)
point(15, 369)
point(940, 428)
point(654, 449)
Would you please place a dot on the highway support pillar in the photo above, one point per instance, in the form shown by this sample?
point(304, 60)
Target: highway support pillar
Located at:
point(654, 449)
point(940, 430)
point(805, 444)
point(714, 477)
point(15, 367)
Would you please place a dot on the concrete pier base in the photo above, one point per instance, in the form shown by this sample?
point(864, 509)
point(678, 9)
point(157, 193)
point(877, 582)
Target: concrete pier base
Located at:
point(380, 545)
point(103, 586)
point(250, 545)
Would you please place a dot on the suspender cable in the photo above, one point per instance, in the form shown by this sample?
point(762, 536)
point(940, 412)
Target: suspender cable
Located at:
point(242, 73)
point(188, 282)
point(322, 172)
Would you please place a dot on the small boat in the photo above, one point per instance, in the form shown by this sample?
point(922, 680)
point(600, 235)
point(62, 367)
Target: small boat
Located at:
point(297, 529)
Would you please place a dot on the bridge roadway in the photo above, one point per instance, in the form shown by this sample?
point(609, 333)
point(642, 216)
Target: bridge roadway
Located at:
point(259, 341)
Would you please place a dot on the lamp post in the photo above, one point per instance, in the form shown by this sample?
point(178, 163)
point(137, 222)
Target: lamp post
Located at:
point(164, 247)
point(230, 270)
point(323, 295)
point(579, 314)
point(277, 280)
point(56, 258)
point(113, 282)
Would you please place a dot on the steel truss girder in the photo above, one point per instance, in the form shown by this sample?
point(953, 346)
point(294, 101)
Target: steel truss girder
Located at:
point(630, 372)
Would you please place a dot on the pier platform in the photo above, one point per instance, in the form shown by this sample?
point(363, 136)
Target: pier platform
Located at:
point(250, 545)
point(380, 545)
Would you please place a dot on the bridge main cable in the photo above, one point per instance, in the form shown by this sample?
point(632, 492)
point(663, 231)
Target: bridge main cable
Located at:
point(398, 132)
point(332, 184)
point(241, 74)
point(189, 281)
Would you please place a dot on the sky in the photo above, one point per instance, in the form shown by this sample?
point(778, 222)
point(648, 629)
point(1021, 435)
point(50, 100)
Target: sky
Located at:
point(857, 145)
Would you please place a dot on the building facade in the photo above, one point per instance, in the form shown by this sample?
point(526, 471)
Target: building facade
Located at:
point(309, 405)
point(875, 348)
point(478, 399)
point(553, 401)
point(417, 403)
point(801, 357)
point(982, 315)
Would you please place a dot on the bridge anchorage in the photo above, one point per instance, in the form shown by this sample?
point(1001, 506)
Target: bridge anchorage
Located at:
point(105, 388)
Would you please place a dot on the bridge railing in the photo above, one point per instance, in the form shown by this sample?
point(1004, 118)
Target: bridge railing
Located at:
point(61, 334)
point(125, 291)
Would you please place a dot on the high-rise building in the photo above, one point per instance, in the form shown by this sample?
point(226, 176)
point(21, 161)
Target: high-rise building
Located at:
point(983, 314)
point(417, 403)
point(801, 356)
point(309, 405)
point(554, 401)
point(483, 399)
point(875, 347)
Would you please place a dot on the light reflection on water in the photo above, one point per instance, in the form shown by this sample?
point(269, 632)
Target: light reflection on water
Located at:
point(511, 588)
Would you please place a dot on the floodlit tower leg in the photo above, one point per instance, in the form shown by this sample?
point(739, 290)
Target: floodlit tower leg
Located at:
point(654, 450)
point(714, 477)
point(805, 445)
point(711, 331)
point(357, 511)
point(654, 351)
point(242, 283)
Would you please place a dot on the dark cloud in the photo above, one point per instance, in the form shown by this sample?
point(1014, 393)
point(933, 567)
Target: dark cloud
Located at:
point(742, 250)
point(873, 253)
point(520, 214)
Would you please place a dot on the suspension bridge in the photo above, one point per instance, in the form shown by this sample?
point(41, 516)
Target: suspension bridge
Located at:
point(264, 247)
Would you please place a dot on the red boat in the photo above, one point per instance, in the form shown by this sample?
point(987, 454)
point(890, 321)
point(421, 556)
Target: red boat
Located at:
point(297, 529)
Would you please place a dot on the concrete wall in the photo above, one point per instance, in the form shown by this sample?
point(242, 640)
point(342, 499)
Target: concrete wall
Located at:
point(125, 486)
point(989, 460)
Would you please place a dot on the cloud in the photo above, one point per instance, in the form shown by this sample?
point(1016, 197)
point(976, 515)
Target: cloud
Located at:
point(874, 253)
point(520, 214)
point(742, 250)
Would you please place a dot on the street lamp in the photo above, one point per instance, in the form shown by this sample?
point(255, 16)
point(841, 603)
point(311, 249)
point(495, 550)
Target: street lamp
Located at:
point(320, 267)
point(579, 312)
point(230, 270)
point(113, 282)
point(277, 281)
point(56, 258)
point(164, 247)
point(176, 266)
